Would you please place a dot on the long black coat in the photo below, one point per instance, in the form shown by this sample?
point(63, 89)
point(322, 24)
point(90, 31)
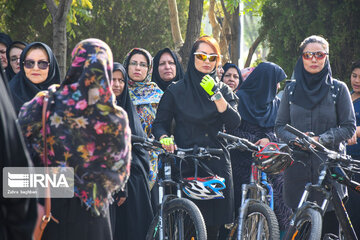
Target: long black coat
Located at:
point(188, 134)
point(334, 123)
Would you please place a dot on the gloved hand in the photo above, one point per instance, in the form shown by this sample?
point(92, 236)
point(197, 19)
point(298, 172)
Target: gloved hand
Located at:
point(209, 85)
point(168, 143)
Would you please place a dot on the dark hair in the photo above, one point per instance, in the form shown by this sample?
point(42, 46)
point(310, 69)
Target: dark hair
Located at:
point(136, 51)
point(314, 39)
point(355, 65)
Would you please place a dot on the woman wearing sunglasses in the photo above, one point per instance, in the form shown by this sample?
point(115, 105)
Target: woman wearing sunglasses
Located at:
point(200, 106)
point(38, 70)
point(310, 106)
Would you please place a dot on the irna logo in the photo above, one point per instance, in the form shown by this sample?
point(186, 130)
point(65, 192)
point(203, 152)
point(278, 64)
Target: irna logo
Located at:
point(34, 180)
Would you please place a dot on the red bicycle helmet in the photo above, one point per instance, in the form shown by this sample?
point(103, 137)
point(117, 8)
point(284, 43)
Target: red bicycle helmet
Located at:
point(274, 158)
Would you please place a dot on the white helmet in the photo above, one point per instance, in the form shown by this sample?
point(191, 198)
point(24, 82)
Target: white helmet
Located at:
point(204, 188)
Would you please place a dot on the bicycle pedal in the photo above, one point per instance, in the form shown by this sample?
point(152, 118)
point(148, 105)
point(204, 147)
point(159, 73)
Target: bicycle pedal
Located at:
point(330, 236)
point(228, 225)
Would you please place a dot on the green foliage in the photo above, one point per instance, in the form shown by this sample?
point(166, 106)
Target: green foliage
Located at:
point(287, 23)
point(253, 6)
point(125, 24)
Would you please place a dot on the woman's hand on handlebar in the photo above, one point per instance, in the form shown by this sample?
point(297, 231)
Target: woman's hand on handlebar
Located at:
point(168, 143)
point(352, 140)
point(262, 142)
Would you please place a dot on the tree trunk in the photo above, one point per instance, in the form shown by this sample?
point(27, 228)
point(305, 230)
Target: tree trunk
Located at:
point(252, 50)
point(192, 30)
point(59, 14)
point(219, 32)
point(235, 37)
point(175, 26)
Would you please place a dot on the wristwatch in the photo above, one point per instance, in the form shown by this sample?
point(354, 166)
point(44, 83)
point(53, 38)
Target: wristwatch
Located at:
point(216, 96)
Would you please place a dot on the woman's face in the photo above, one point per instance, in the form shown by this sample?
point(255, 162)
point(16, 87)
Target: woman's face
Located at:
point(231, 78)
point(355, 80)
point(314, 65)
point(167, 67)
point(15, 58)
point(118, 83)
point(219, 71)
point(34, 73)
point(205, 66)
point(3, 58)
point(138, 67)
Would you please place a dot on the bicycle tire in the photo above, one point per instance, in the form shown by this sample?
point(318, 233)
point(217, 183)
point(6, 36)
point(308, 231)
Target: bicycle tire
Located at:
point(256, 212)
point(179, 209)
point(307, 226)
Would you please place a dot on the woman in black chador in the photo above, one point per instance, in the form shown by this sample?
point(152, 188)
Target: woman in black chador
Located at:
point(131, 213)
point(310, 106)
point(200, 107)
point(167, 69)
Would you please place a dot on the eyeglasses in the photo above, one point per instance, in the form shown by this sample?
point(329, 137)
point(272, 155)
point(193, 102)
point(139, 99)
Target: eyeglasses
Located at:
point(317, 55)
point(203, 56)
point(14, 59)
point(141, 64)
point(31, 64)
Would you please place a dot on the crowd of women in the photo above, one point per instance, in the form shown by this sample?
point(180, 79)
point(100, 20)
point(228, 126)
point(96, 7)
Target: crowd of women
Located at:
point(93, 110)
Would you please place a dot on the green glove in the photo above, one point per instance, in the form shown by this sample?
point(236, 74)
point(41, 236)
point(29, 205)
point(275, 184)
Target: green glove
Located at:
point(167, 141)
point(208, 84)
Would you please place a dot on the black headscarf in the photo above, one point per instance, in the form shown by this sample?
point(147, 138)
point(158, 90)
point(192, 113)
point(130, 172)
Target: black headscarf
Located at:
point(193, 101)
point(310, 89)
point(6, 39)
point(18, 216)
point(257, 96)
point(226, 67)
point(155, 74)
point(11, 72)
point(22, 89)
point(124, 101)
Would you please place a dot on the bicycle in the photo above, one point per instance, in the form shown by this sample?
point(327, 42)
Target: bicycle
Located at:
point(256, 219)
point(177, 217)
point(306, 222)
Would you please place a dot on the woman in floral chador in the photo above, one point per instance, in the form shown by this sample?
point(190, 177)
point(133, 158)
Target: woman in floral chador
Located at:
point(87, 131)
point(145, 96)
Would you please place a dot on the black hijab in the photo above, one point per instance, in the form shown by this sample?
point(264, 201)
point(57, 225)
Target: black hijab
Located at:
point(19, 215)
point(155, 74)
point(192, 100)
point(22, 89)
point(11, 72)
point(226, 67)
point(258, 102)
point(6, 39)
point(124, 101)
point(310, 89)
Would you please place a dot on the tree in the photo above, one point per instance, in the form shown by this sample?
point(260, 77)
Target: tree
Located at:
point(175, 25)
point(59, 16)
point(286, 23)
point(60, 21)
point(192, 29)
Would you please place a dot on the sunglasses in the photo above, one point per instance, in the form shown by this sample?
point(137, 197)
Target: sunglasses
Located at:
point(41, 64)
point(203, 56)
point(317, 55)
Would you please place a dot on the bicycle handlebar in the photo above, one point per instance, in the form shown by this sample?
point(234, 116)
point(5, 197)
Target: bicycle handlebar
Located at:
point(247, 143)
point(330, 153)
point(155, 143)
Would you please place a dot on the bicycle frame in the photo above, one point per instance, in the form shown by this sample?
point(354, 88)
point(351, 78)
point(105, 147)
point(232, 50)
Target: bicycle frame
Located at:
point(327, 176)
point(257, 193)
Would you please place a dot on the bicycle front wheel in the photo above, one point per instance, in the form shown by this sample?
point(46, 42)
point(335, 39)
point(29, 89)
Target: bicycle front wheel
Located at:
point(260, 223)
point(307, 226)
point(182, 220)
